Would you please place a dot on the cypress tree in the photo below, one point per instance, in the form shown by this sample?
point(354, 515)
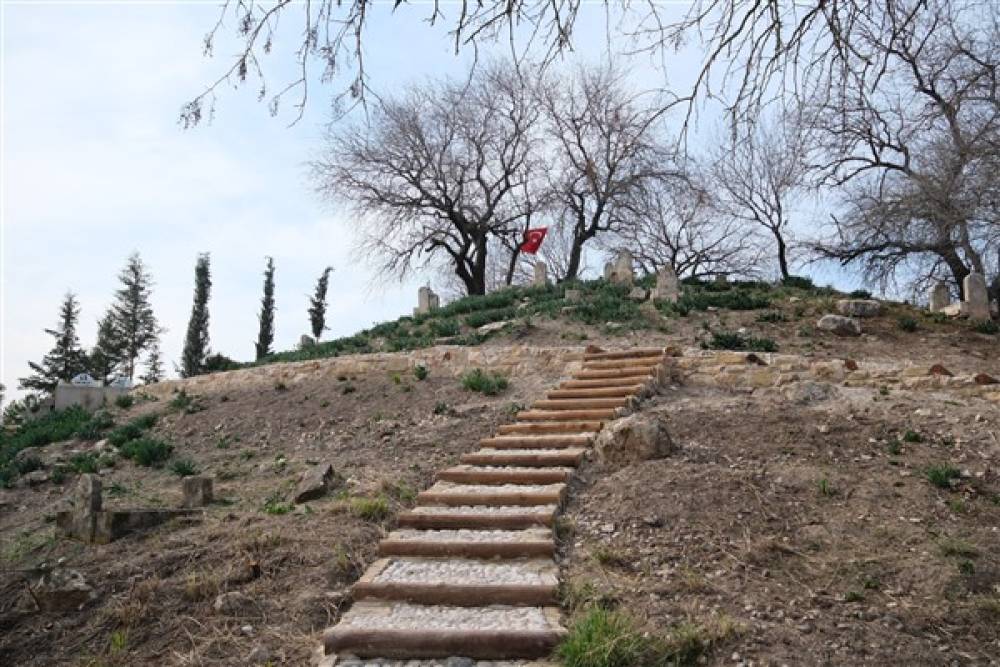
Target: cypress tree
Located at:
point(317, 304)
point(132, 313)
point(196, 341)
point(154, 366)
point(106, 355)
point(66, 359)
point(265, 336)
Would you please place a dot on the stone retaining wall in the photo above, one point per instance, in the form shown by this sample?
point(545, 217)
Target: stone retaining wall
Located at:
point(760, 370)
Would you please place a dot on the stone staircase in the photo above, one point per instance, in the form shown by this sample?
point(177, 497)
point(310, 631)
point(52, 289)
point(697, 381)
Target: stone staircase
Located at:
point(471, 570)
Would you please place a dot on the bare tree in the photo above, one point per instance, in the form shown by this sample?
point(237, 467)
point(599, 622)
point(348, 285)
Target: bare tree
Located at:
point(752, 52)
point(759, 179)
point(920, 156)
point(680, 227)
point(607, 147)
point(437, 174)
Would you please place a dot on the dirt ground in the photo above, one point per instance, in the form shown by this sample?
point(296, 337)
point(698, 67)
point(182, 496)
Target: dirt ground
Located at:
point(155, 590)
point(805, 529)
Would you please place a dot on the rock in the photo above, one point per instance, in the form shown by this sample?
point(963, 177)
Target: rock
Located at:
point(839, 325)
point(984, 379)
point(260, 655)
point(197, 491)
point(638, 294)
point(27, 453)
point(573, 296)
point(859, 307)
point(493, 326)
point(305, 341)
point(314, 483)
point(809, 392)
point(34, 478)
point(61, 590)
point(850, 365)
point(231, 603)
point(638, 437)
point(938, 369)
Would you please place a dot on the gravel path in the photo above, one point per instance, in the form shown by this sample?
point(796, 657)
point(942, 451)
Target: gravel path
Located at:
point(496, 510)
point(465, 535)
point(405, 616)
point(465, 572)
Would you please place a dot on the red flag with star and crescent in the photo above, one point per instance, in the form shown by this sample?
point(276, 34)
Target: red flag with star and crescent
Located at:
point(533, 240)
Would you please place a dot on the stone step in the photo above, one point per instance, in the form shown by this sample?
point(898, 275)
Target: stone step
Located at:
point(625, 390)
point(537, 441)
point(450, 493)
point(569, 427)
point(581, 403)
point(641, 365)
point(348, 660)
point(488, 474)
point(461, 582)
point(569, 456)
point(626, 354)
point(502, 517)
point(612, 373)
point(609, 383)
point(403, 630)
point(464, 543)
point(566, 415)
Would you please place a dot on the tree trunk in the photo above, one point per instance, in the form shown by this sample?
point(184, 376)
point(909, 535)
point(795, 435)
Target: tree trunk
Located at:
point(515, 253)
point(782, 254)
point(957, 267)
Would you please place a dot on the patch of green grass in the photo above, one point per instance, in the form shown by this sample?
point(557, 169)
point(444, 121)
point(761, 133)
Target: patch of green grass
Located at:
point(58, 475)
point(608, 556)
point(184, 468)
point(276, 505)
point(798, 282)
point(124, 401)
point(85, 462)
point(725, 340)
point(95, 427)
point(912, 436)
point(854, 596)
point(420, 372)
point(988, 327)
point(147, 451)
point(772, 317)
point(348, 389)
point(604, 638)
point(444, 328)
point(186, 403)
point(942, 474)
point(966, 567)
point(825, 488)
point(441, 408)
point(374, 509)
point(483, 382)
point(895, 447)
point(907, 323)
point(482, 318)
point(401, 491)
point(957, 547)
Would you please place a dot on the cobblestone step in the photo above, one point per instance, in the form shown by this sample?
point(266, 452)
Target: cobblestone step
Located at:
point(582, 403)
point(610, 382)
point(573, 427)
point(488, 474)
point(569, 456)
point(450, 493)
point(625, 390)
point(461, 582)
point(657, 352)
point(537, 441)
point(567, 415)
point(503, 517)
point(529, 542)
point(403, 630)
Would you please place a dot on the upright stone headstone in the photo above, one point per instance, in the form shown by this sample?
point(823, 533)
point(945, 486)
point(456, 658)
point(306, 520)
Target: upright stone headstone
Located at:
point(87, 498)
point(541, 278)
point(977, 298)
point(668, 288)
point(427, 301)
point(939, 298)
point(197, 491)
point(623, 272)
point(305, 340)
point(573, 295)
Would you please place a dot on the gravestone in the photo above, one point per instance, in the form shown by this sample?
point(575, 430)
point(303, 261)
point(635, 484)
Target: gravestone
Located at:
point(305, 340)
point(197, 491)
point(84, 380)
point(939, 298)
point(541, 278)
point(427, 301)
point(622, 271)
point(573, 295)
point(977, 299)
point(668, 288)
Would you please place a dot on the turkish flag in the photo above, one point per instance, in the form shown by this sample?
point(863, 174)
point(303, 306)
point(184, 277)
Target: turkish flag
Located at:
point(533, 240)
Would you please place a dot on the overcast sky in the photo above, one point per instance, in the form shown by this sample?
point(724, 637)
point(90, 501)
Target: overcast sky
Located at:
point(95, 166)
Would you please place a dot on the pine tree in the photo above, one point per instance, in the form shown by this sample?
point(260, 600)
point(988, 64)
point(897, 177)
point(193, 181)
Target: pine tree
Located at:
point(265, 335)
point(66, 359)
point(196, 341)
point(154, 366)
point(317, 304)
point(105, 357)
point(134, 322)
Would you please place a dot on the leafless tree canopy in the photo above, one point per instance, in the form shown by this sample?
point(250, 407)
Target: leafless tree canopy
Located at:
point(919, 156)
point(753, 52)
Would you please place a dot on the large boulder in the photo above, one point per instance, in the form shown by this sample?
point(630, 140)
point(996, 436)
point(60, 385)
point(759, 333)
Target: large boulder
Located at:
point(315, 483)
point(638, 437)
point(840, 325)
point(859, 307)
